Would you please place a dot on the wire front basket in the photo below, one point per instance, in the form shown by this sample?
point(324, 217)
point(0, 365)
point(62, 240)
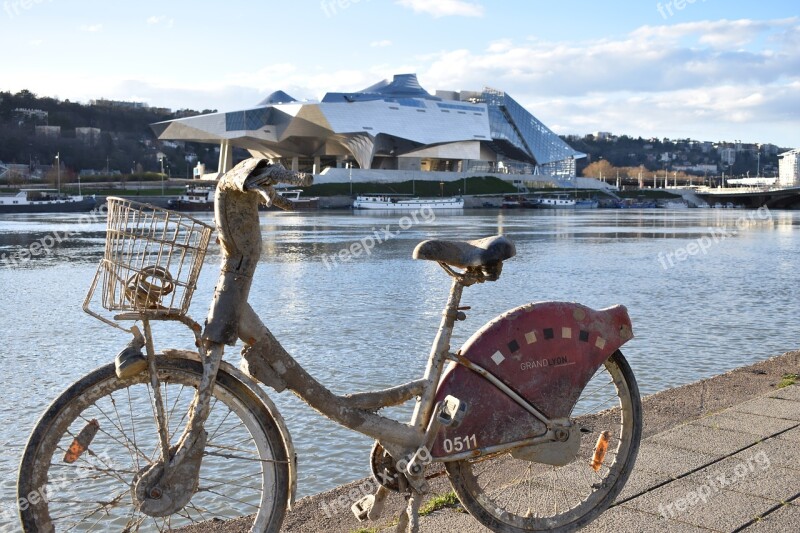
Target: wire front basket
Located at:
point(151, 263)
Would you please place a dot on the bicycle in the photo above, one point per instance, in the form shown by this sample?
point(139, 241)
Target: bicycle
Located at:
point(537, 418)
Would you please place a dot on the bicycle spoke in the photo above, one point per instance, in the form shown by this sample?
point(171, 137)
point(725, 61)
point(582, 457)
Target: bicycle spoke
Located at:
point(120, 427)
point(133, 426)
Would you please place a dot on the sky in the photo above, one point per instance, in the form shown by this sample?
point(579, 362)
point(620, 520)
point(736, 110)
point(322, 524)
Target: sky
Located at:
point(703, 69)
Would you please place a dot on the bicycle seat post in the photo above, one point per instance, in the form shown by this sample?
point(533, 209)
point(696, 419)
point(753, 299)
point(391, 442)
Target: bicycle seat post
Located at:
point(439, 351)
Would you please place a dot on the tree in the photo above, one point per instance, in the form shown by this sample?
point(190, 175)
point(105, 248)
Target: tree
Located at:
point(598, 169)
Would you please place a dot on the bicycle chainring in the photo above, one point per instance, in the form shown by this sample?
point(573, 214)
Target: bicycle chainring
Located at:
point(384, 468)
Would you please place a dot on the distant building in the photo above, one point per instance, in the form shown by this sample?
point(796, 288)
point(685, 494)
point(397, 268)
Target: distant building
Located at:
point(90, 136)
point(789, 169)
point(696, 169)
point(769, 149)
point(395, 127)
point(602, 136)
point(51, 132)
point(705, 146)
point(12, 170)
point(37, 114)
point(102, 102)
point(728, 155)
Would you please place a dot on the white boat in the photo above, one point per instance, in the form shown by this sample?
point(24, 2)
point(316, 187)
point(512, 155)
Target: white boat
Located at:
point(555, 201)
point(300, 202)
point(400, 203)
point(45, 201)
point(196, 198)
point(200, 197)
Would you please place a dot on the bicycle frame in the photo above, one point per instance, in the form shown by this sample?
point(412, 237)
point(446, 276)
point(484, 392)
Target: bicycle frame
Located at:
point(231, 317)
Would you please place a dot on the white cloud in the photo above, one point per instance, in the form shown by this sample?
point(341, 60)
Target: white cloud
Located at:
point(92, 28)
point(444, 8)
point(160, 20)
point(694, 79)
point(381, 44)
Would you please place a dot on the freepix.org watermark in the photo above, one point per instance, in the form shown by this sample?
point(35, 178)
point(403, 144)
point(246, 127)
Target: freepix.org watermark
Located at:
point(715, 236)
point(378, 236)
point(667, 9)
point(714, 484)
point(14, 7)
point(46, 244)
point(332, 7)
point(370, 486)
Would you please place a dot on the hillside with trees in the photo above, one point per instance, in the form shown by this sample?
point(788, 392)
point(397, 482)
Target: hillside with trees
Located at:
point(124, 144)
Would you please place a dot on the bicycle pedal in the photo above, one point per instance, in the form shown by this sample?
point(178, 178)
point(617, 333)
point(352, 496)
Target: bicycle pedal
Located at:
point(362, 507)
point(130, 362)
point(452, 412)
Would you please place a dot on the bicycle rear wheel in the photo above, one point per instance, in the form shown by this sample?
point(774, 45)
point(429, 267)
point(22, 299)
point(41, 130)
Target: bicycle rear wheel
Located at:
point(511, 495)
point(244, 470)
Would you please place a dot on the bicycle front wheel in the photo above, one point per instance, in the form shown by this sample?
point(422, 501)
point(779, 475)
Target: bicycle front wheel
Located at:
point(244, 471)
point(511, 495)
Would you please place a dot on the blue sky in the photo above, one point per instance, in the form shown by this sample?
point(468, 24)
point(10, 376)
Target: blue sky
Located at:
point(705, 69)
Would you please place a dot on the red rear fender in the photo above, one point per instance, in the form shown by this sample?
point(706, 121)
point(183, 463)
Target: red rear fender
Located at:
point(545, 352)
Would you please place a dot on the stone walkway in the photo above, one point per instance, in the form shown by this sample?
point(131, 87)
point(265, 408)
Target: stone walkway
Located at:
point(737, 470)
point(721, 454)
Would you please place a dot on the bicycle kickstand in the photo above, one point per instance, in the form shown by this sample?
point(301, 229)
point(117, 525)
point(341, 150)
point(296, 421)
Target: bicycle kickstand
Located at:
point(409, 519)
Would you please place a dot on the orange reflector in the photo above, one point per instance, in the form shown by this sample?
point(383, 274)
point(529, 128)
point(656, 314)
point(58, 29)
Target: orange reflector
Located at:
point(600, 450)
point(81, 442)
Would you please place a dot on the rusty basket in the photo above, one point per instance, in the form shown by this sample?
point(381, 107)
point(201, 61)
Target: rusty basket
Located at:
point(151, 262)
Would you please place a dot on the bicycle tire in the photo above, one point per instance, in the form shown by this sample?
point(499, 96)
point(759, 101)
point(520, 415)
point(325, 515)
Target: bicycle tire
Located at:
point(111, 462)
point(509, 495)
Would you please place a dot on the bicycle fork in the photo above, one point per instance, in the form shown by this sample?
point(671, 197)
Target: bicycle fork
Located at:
point(166, 486)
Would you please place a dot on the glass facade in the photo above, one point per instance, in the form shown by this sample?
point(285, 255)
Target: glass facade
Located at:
point(250, 119)
point(511, 122)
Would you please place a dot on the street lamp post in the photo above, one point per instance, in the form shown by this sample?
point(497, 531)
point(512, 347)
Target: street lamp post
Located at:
point(58, 171)
point(161, 160)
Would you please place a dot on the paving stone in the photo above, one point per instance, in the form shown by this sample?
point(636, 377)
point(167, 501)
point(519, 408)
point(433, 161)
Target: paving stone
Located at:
point(623, 518)
point(791, 435)
point(642, 480)
point(773, 407)
point(448, 521)
point(704, 439)
point(680, 501)
point(781, 452)
point(748, 472)
point(791, 392)
point(658, 456)
point(784, 520)
point(759, 425)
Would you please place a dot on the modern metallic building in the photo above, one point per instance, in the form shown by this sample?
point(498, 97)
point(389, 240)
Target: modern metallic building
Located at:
point(390, 126)
point(789, 168)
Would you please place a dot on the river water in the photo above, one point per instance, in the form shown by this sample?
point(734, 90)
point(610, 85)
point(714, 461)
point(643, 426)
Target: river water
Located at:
point(707, 291)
